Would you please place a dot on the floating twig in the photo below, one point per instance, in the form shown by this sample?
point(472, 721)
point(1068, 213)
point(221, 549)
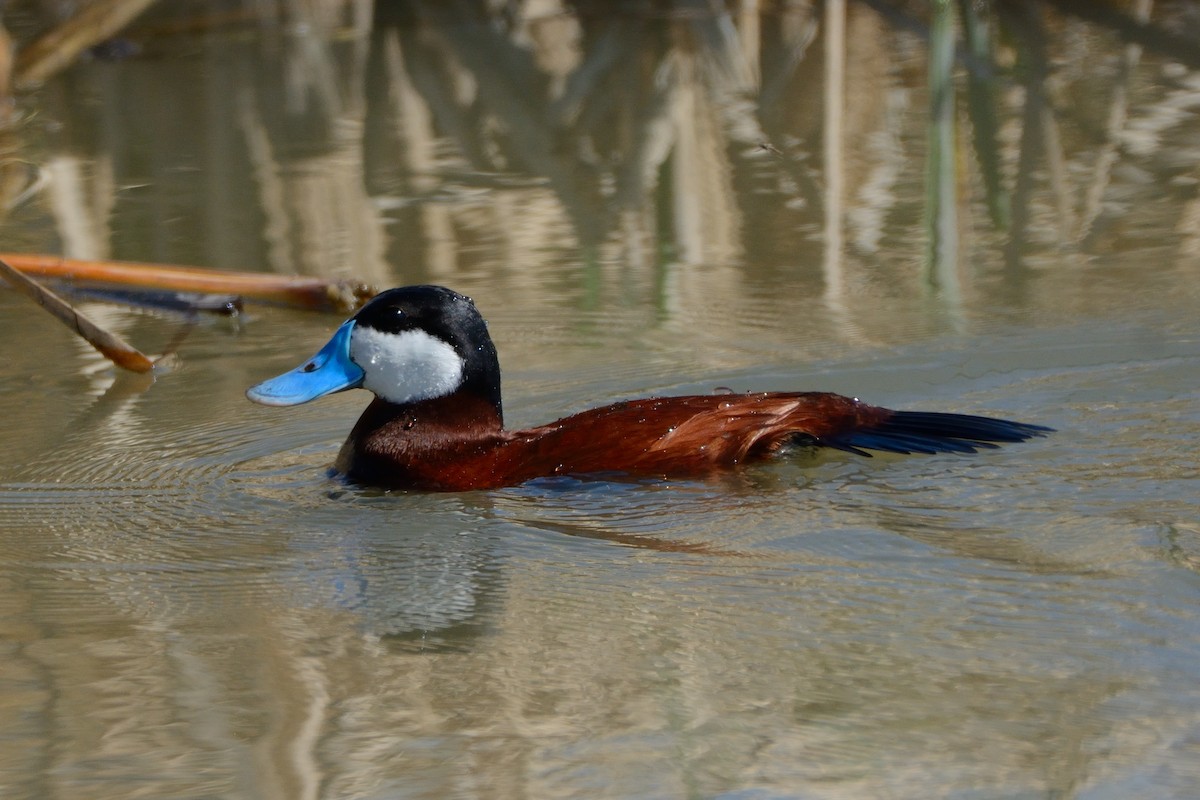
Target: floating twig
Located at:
point(770, 148)
point(313, 294)
point(112, 346)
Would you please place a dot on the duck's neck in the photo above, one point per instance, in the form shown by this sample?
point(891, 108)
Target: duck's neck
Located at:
point(389, 435)
point(462, 411)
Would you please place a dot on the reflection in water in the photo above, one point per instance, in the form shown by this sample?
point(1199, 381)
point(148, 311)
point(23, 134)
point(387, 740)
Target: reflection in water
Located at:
point(641, 199)
point(668, 156)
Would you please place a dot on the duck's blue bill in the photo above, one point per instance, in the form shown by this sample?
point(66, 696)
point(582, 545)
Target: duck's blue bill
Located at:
point(329, 371)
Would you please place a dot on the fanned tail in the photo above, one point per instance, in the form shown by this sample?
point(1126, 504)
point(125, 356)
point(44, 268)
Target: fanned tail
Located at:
point(932, 432)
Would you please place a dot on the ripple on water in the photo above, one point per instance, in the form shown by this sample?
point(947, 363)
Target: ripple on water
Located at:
point(237, 514)
point(394, 569)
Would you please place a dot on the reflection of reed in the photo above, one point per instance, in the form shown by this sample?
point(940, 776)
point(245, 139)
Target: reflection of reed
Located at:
point(835, 91)
point(639, 132)
point(446, 138)
point(1036, 71)
point(1107, 155)
point(81, 192)
point(982, 94)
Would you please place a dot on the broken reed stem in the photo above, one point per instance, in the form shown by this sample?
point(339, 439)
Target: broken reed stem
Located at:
point(58, 48)
point(314, 294)
point(112, 346)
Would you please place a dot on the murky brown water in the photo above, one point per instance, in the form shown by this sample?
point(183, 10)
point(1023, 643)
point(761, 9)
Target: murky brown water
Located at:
point(190, 607)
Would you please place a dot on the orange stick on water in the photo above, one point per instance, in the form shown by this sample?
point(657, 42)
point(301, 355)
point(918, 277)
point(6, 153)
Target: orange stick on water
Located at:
point(114, 348)
point(315, 294)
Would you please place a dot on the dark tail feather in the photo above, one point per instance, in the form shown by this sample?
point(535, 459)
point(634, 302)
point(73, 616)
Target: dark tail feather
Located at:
point(933, 432)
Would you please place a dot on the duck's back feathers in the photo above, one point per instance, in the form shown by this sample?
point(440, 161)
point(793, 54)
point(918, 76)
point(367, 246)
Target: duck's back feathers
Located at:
point(691, 434)
point(698, 433)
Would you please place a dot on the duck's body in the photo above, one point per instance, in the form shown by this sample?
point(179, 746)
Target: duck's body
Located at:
point(453, 443)
point(437, 420)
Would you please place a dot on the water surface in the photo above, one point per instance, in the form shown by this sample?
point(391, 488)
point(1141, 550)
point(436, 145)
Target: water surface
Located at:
point(190, 606)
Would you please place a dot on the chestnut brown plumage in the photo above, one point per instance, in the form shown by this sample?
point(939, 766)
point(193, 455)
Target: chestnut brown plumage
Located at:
point(437, 421)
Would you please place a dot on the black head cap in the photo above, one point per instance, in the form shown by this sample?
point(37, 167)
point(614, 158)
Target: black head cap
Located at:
point(448, 316)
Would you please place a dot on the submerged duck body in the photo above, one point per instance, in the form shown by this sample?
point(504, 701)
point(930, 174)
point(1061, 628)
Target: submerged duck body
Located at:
point(437, 420)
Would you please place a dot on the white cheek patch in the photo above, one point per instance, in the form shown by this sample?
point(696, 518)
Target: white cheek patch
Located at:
point(406, 367)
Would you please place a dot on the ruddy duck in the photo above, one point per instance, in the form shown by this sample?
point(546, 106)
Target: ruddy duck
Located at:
point(436, 420)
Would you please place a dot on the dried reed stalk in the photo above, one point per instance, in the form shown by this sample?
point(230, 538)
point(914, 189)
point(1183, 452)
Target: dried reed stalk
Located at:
point(315, 294)
point(112, 346)
point(58, 48)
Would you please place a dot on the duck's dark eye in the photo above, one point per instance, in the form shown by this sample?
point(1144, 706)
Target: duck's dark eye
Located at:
point(310, 367)
point(394, 320)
